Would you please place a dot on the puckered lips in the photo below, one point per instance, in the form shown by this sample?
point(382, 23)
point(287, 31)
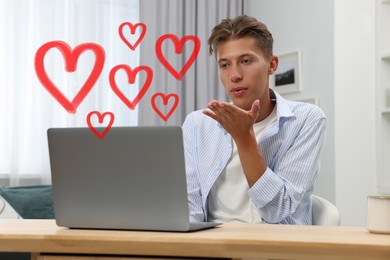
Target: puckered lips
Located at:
point(238, 91)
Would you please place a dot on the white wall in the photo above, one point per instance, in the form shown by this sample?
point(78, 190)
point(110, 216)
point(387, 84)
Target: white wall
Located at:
point(337, 61)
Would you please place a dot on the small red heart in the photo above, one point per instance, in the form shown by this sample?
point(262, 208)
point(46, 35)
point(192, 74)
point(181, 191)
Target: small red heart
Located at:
point(132, 31)
point(165, 99)
point(100, 118)
point(71, 58)
point(178, 50)
point(131, 74)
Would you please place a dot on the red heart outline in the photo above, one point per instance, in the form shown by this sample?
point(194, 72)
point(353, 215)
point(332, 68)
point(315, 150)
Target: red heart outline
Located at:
point(165, 99)
point(71, 58)
point(178, 49)
point(132, 31)
point(100, 118)
point(131, 74)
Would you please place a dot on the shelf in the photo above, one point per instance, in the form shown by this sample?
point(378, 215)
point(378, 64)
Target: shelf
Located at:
point(383, 96)
point(386, 111)
point(386, 56)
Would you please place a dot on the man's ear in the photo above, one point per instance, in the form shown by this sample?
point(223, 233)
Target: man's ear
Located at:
point(273, 65)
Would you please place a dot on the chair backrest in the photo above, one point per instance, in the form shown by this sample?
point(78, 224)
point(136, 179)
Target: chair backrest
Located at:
point(324, 212)
point(7, 212)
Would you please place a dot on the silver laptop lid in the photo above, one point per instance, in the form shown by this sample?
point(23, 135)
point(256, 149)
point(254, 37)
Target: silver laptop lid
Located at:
point(132, 179)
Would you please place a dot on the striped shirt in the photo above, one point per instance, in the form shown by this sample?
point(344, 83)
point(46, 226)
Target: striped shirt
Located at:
point(228, 200)
point(290, 146)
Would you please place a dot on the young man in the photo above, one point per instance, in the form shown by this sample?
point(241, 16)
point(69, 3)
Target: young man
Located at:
point(254, 160)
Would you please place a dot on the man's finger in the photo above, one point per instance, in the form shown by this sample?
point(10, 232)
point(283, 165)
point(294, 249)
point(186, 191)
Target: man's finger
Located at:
point(255, 109)
point(227, 108)
point(211, 114)
point(218, 109)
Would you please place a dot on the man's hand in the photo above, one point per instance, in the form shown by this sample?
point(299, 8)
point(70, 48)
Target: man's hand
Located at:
point(239, 124)
point(236, 121)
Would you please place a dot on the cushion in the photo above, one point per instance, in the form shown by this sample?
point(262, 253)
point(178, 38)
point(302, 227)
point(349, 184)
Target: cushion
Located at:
point(31, 202)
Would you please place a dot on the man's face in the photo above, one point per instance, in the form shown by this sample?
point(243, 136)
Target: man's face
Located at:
point(244, 71)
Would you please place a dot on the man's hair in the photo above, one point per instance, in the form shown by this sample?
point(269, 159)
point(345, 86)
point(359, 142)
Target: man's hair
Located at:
point(241, 27)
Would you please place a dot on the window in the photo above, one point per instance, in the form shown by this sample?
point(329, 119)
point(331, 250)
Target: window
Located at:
point(27, 109)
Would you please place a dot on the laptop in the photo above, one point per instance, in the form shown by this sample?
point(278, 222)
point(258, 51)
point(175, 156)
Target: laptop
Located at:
point(132, 179)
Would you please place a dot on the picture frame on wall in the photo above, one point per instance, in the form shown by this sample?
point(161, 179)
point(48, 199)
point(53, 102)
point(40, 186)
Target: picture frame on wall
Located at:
point(287, 77)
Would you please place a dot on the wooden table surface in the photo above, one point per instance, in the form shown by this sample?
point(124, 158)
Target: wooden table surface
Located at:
point(225, 241)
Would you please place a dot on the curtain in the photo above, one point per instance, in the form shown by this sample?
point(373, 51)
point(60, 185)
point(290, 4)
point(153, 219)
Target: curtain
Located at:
point(27, 109)
point(200, 84)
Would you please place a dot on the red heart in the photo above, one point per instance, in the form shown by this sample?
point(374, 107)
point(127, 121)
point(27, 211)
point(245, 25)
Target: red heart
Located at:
point(178, 49)
point(71, 58)
point(165, 99)
point(132, 31)
point(100, 118)
point(131, 74)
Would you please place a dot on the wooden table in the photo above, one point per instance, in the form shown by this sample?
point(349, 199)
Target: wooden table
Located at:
point(47, 241)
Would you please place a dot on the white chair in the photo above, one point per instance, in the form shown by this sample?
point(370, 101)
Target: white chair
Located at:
point(324, 212)
point(7, 211)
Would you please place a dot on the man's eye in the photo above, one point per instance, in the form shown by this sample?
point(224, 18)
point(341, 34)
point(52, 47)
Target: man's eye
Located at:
point(223, 65)
point(246, 61)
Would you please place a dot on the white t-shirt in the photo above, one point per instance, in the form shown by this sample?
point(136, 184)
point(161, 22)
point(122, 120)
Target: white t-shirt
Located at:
point(228, 200)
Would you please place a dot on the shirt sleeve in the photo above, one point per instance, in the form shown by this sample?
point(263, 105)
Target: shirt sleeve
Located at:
point(193, 186)
point(278, 193)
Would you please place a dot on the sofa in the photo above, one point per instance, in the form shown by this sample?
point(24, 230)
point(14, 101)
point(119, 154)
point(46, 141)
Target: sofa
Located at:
point(28, 202)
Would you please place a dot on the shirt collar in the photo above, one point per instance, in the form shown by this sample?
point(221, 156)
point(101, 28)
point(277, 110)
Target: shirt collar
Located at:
point(283, 108)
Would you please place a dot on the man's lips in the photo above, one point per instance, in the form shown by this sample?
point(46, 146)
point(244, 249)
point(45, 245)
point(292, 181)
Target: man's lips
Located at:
point(238, 91)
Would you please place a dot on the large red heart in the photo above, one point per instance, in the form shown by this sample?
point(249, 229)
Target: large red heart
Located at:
point(131, 74)
point(178, 50)
point(100, 118)
point(71, 58)
point(132, 31)
point(165, 99)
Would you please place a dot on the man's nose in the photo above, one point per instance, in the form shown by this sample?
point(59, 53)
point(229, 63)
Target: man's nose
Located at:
point(235, 75)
